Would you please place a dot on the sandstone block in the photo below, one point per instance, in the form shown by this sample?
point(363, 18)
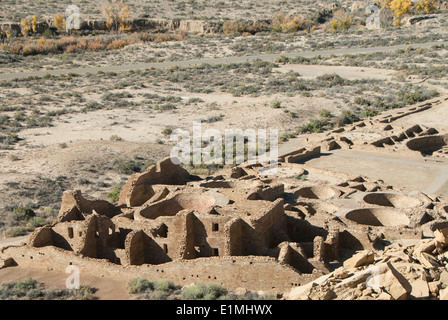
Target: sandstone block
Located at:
point(443, 294)
point(360, 259)
point(420, 289)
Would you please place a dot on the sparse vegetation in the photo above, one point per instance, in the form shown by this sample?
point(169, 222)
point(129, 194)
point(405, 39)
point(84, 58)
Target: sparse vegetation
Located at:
point(166, 290)
point(147, 87)
point(287, 23)
point(114, 195)
point(30, 289)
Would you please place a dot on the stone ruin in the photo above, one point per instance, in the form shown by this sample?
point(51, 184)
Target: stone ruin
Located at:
point(300, 238)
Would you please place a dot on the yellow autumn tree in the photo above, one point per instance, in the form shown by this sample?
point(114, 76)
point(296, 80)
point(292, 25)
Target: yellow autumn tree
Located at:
point(342, 21)
point(26, 26)
point(117, 16)
point(6, 32)
point(59, 21)
point(34, 21)
point(425, 6)
point(400, 7)
point(289, 23)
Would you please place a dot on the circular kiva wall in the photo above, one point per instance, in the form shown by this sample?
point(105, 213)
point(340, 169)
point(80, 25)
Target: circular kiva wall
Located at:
point(378, 217)
point(320, 207)
point(319, 192)
point(429, 144)
point(182, 201)
point(392, 200)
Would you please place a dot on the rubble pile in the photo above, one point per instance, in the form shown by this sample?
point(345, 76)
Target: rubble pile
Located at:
point(414, 270)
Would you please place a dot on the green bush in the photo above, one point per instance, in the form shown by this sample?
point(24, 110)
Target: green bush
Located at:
point(140, 285)
point(201, 291)
point(35, 222)
point(127, 166)
point(164, 286)
point(9, 139)
point(369, 112)
point(26, 284)
point(21, 214)
point(332, 80)
point(316, 126)
point(347, 117)
point(31, 289)
point(157, 290)
point(114, 195)
point(167, 131)
point(324, 113)
point(276, 104)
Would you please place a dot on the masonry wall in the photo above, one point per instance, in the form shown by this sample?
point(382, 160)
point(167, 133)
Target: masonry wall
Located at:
point(426, 143)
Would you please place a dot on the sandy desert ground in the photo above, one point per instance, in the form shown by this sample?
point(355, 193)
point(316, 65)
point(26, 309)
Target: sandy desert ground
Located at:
point(72, 121)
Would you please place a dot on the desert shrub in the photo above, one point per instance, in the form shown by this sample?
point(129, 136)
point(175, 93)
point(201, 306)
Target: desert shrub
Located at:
point(200, 291)
point(130, 166)
point(347, 117)
point(158, 290)
point(49, 33)
point(288, 23)
point(16, 231)
point(35, 222)
point(331, 80)
point(30, 289)
point(117, 44)
point(167, 131)
point(165, 107)
point(285, 136)
point(322, 16)
point(140, 285)
point(23, 219)
point(85, 292)
point(26, 284)
point(250, 295)
point(341, 21)
point(115, 137)
point(212, 119)
point(194, 100)
point(294, 60)
point(315, 125)
point(113, 96)
point(114, 195)
point(416, 96)
point(92, 106)
point(20, 214)
point(244, 27)
point(362, 101)
point(4, 119)
point(369, 112)
point(95, 45)
point(232, 27)
point(164, 286)
point(276, 104)
point(38, 121)
point(324, 113)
